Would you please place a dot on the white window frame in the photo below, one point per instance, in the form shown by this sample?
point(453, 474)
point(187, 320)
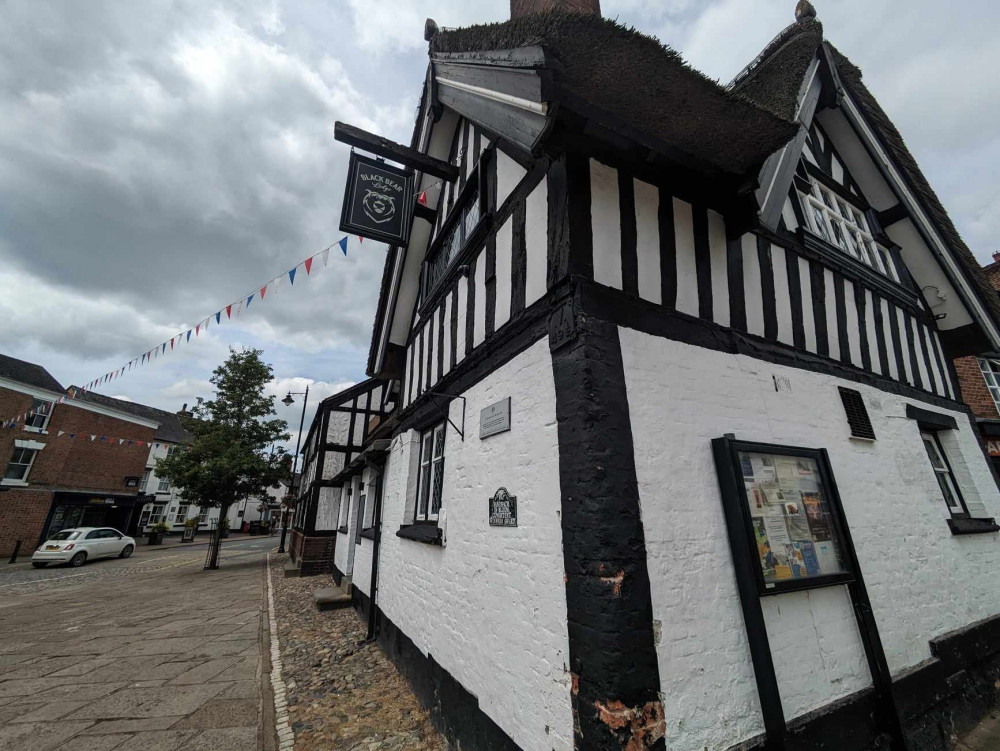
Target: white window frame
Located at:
point(144, 483)
point(432, 450)
point(30, 425)
point(23, 479)
point(182, 513)
point(838, 221)
point(157, 514)
point(991, 374)
point(938, 460)
point(163, 486)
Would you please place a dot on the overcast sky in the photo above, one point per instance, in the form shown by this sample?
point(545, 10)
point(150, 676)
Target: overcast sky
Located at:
point(160, 159)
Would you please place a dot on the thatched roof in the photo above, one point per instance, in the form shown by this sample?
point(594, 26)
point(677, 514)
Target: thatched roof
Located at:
point(774, 79)
point(617, 70)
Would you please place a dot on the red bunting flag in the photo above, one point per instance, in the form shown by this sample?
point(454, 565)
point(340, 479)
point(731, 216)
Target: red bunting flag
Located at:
point(309, 263)
point(360, 239)
point(197, 329)
point(229, 311)
point(423, 198)
point(262, 291)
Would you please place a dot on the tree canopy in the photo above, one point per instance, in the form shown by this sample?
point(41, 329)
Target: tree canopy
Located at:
point(229, 456)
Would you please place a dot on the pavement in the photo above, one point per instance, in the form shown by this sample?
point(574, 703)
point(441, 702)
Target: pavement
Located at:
point(149, 653)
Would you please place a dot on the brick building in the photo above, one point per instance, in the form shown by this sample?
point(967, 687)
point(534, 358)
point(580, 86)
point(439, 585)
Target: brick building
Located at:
point(76, 463)
point(979, 378)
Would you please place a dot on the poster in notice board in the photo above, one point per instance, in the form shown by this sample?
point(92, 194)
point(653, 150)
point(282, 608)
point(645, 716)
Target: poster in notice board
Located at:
point(791, 518)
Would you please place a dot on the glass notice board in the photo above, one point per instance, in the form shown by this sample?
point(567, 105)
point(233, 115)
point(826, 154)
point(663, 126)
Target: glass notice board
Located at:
point(794, 529)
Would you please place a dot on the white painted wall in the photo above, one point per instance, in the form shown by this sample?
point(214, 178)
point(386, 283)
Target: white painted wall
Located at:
point(490, 606)
point(922, 580)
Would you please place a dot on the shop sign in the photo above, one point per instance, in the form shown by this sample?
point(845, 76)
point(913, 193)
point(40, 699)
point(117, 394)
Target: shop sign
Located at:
point(102, 501)
point(503, 509)
point(494, 418)
point(378, 201)
point(131, 482)
point(993, 447)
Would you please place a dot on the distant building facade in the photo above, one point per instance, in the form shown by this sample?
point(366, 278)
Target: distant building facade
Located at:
point(78, 463)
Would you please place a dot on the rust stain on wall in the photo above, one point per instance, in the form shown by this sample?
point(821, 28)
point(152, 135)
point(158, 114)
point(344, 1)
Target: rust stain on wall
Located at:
point(636, 728)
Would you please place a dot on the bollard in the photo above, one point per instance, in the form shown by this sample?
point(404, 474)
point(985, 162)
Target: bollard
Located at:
point(17, 549)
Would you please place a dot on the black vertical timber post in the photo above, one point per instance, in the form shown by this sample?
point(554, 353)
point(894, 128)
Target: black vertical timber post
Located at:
point(615, 675)
point(753, 614)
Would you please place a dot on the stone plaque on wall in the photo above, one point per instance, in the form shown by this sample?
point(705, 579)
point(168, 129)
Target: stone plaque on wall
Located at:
point(495, 418)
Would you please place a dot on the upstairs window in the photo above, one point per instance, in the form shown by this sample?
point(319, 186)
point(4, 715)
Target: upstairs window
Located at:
point(841, 223)
point(164, 486)
point(38, 418)
point(991, 374)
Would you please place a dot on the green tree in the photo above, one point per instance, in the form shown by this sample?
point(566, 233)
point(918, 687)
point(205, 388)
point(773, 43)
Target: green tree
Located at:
point(228, 459)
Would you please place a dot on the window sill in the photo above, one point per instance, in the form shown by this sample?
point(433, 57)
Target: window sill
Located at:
point(972, 526)
point(429, 534)
point(369, 533)
point(342, 530)
point(30, 429)
point(14, 483)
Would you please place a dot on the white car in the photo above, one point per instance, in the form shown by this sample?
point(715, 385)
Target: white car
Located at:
point(82, 544)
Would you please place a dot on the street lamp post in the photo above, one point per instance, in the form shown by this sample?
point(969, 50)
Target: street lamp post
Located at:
point(288, 402)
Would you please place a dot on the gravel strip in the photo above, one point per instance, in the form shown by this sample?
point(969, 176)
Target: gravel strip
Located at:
point(341, 693)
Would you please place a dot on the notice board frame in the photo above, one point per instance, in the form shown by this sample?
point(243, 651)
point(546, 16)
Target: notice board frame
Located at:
point(750, 584)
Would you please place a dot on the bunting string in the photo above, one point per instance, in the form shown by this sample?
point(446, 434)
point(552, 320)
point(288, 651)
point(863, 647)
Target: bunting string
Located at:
point(237, 308)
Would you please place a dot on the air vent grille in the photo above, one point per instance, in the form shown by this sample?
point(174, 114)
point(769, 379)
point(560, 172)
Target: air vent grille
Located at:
point(857, 414)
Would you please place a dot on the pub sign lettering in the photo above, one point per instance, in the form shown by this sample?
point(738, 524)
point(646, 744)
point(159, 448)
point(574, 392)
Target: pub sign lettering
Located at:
point(378, 201)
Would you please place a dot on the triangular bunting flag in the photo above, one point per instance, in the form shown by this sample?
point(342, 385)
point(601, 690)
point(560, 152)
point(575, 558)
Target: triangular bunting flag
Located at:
point(361, 239)
point(308, 265)
point(423, 198)
point(93, 438)
point(72, 435)
point(189, 335)
point(121, 441)
point(229, 311)
point(343, 244)
point(163, 347)
point(218, 317)
point(326, 256)
point(291, 277)
point(197, 329)
point(249, 300)
point(171, 342)
point(262, 291)
point(59, 434)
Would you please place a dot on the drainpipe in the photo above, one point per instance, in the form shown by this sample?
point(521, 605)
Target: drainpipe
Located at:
point(377, 538)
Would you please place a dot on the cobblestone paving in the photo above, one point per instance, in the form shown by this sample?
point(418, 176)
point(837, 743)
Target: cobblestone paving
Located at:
point(342, 694)
point(148, 654)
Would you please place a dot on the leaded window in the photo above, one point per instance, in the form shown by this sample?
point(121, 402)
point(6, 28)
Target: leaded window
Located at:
point(431, 477)
point(840, 223)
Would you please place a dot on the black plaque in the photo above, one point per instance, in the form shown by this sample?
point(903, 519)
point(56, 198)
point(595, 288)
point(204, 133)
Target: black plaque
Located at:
point(378, 201)
point(503, 509)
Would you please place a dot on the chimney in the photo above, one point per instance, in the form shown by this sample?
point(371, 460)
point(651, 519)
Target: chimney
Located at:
point(519, 8)
point(184, 411)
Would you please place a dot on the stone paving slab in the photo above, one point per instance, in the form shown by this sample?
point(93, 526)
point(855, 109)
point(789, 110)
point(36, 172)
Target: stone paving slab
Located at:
point(162, 657)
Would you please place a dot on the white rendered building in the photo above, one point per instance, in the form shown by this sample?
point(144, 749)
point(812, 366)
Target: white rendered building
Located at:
point(662, 446)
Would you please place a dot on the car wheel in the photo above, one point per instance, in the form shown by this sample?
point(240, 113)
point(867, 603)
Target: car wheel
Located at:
point(126, 551)
point(78, 560)
point(39, 564)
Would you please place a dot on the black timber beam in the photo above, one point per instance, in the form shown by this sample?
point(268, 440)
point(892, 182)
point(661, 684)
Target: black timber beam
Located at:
point(380, 146)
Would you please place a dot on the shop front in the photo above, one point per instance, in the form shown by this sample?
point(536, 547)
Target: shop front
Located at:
point(71, 510)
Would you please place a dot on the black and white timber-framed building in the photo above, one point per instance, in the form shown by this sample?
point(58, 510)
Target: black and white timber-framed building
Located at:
point(669, 451)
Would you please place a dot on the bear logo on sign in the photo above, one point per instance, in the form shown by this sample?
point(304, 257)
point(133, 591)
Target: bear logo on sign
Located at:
point(379, 207)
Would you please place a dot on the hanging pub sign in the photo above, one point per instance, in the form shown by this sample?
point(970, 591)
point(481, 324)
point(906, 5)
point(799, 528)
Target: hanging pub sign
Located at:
point(378, 201)
point(503, 509)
